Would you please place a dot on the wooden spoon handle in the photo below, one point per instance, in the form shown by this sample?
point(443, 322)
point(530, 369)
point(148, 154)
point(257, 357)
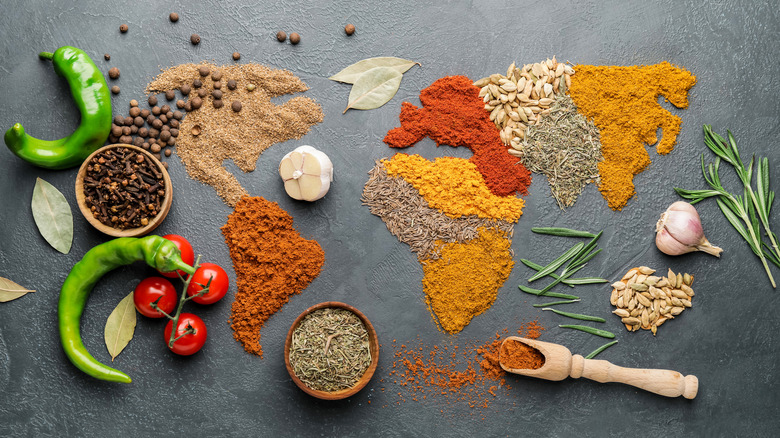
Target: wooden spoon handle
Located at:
point(663, 382)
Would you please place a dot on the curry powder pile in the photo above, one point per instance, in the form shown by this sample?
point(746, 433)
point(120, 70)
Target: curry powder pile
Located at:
point(623, 103)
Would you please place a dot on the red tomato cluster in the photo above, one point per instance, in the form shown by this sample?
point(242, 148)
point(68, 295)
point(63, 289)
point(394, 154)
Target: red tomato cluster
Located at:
point(156, 297)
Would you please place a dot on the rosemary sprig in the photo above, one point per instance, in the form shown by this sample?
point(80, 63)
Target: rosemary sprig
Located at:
point(740, 211)
point(762, 201)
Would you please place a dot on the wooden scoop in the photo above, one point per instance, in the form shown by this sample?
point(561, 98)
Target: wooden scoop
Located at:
point(559, 364)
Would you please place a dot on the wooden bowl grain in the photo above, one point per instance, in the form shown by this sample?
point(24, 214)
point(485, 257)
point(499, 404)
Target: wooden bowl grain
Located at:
point(128, 232)
point(373, 343)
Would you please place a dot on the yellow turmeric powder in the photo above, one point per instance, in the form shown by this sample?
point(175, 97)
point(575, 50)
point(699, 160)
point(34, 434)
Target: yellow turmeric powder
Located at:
point(623, 103)
point(454, 186)
point(464, 282)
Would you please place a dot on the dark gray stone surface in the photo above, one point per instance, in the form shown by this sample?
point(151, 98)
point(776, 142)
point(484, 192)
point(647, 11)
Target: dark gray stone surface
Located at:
point(729, 339)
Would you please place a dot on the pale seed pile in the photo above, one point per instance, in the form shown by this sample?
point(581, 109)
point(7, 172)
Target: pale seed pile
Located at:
point(522, 96)
point(213, 133)
point(408, 216)
point(646, 301)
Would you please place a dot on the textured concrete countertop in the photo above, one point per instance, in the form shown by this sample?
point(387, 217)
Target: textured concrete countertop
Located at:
point(729, 339)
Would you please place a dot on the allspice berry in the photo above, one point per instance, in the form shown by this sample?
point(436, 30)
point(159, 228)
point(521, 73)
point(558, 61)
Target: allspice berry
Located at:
point(195, 39)
point(217, 103)
point(281, 36)
point(295, 38)
point(115, 89)
point(174, 17)
point(349, 29)
point(113, 73)
point(203, 70)
point(123, 28)
point(107, 57)
point(236, 56)
point(236, 106)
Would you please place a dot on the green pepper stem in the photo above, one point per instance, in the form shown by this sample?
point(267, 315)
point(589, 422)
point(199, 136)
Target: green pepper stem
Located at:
point(46, 55)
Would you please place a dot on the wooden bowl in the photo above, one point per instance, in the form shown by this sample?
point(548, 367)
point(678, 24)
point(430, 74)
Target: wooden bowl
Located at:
point(373, 344)
point(128, 232)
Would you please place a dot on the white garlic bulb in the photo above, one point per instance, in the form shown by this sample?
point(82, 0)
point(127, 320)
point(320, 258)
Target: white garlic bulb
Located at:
point(307, 173)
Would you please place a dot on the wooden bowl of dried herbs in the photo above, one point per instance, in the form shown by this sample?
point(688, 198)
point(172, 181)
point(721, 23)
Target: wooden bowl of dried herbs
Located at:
point(331, 351)
point(123, 191)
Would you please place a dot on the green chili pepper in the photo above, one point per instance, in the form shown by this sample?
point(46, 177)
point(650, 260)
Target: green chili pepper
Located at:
point(159, 253)
point(90, 92)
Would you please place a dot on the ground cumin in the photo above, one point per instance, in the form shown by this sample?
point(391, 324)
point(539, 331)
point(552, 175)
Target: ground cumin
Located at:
point(224, 134)
point(272, 262)
point(453, 114)
point(623, 103)
point(468, 373)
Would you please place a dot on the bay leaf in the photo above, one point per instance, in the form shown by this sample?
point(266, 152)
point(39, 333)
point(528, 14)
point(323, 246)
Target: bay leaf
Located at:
point(374, 88)
point(350, 74)
point(120, 326)
point(52, 215)
point(11, 291)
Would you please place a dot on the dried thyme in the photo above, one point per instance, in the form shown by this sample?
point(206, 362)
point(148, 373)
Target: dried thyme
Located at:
point(330, 350)
point(564, 146)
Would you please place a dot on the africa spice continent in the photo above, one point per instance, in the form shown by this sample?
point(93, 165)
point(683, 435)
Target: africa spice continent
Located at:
point(456, 214)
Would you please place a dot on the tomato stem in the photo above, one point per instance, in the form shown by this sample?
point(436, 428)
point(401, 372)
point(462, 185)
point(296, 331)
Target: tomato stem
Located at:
point(182, 299)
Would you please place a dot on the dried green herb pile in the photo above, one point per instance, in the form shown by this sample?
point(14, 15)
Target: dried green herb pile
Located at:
point(565, 147)
point(330, 350)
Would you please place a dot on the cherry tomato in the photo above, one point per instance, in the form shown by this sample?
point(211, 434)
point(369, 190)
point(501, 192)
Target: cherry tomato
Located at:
point(217, 288)
point(190, 343)
point(150, 290)
point(187, 254)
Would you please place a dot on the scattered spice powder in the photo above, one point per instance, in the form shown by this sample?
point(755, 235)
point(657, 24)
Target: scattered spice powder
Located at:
point(623, 103)
point(454, 186)
point(453, 114)
point(564, 147)
point(223, 134)
point(517, 355)
point(407, 216)
point(272, 262)
point(464, 282)
point(469, 373)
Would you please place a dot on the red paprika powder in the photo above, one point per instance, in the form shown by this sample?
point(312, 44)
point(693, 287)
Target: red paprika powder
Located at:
point(454, 114)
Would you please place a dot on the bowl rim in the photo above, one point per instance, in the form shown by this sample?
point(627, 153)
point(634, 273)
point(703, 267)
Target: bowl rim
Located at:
point(127, 232)
point(373, 343)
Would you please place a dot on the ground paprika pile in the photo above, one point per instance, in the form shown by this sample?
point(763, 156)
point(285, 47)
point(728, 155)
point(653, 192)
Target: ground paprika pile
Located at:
point(459, 374)
point(272, 262)
point(453, 114)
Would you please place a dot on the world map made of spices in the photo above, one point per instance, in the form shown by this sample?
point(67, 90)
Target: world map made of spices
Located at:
point(458, 214)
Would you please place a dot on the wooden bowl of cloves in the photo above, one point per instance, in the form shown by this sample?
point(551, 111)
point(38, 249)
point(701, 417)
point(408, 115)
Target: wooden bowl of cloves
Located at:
point(123, 190)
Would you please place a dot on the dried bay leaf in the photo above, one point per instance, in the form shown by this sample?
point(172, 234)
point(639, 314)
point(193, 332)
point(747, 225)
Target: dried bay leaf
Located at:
point(120, 326)
point(374, 88)
point(11, 291)
point(52, 215)
point(351, 74)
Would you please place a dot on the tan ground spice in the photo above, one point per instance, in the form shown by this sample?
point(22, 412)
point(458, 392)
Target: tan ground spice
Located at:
point(238, 136)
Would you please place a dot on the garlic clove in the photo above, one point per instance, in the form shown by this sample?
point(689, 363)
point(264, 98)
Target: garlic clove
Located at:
point(307, 173)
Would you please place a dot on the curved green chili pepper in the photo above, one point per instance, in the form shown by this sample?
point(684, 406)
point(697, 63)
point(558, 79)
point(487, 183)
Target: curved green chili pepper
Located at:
point(159, 253)
point(90, 91)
